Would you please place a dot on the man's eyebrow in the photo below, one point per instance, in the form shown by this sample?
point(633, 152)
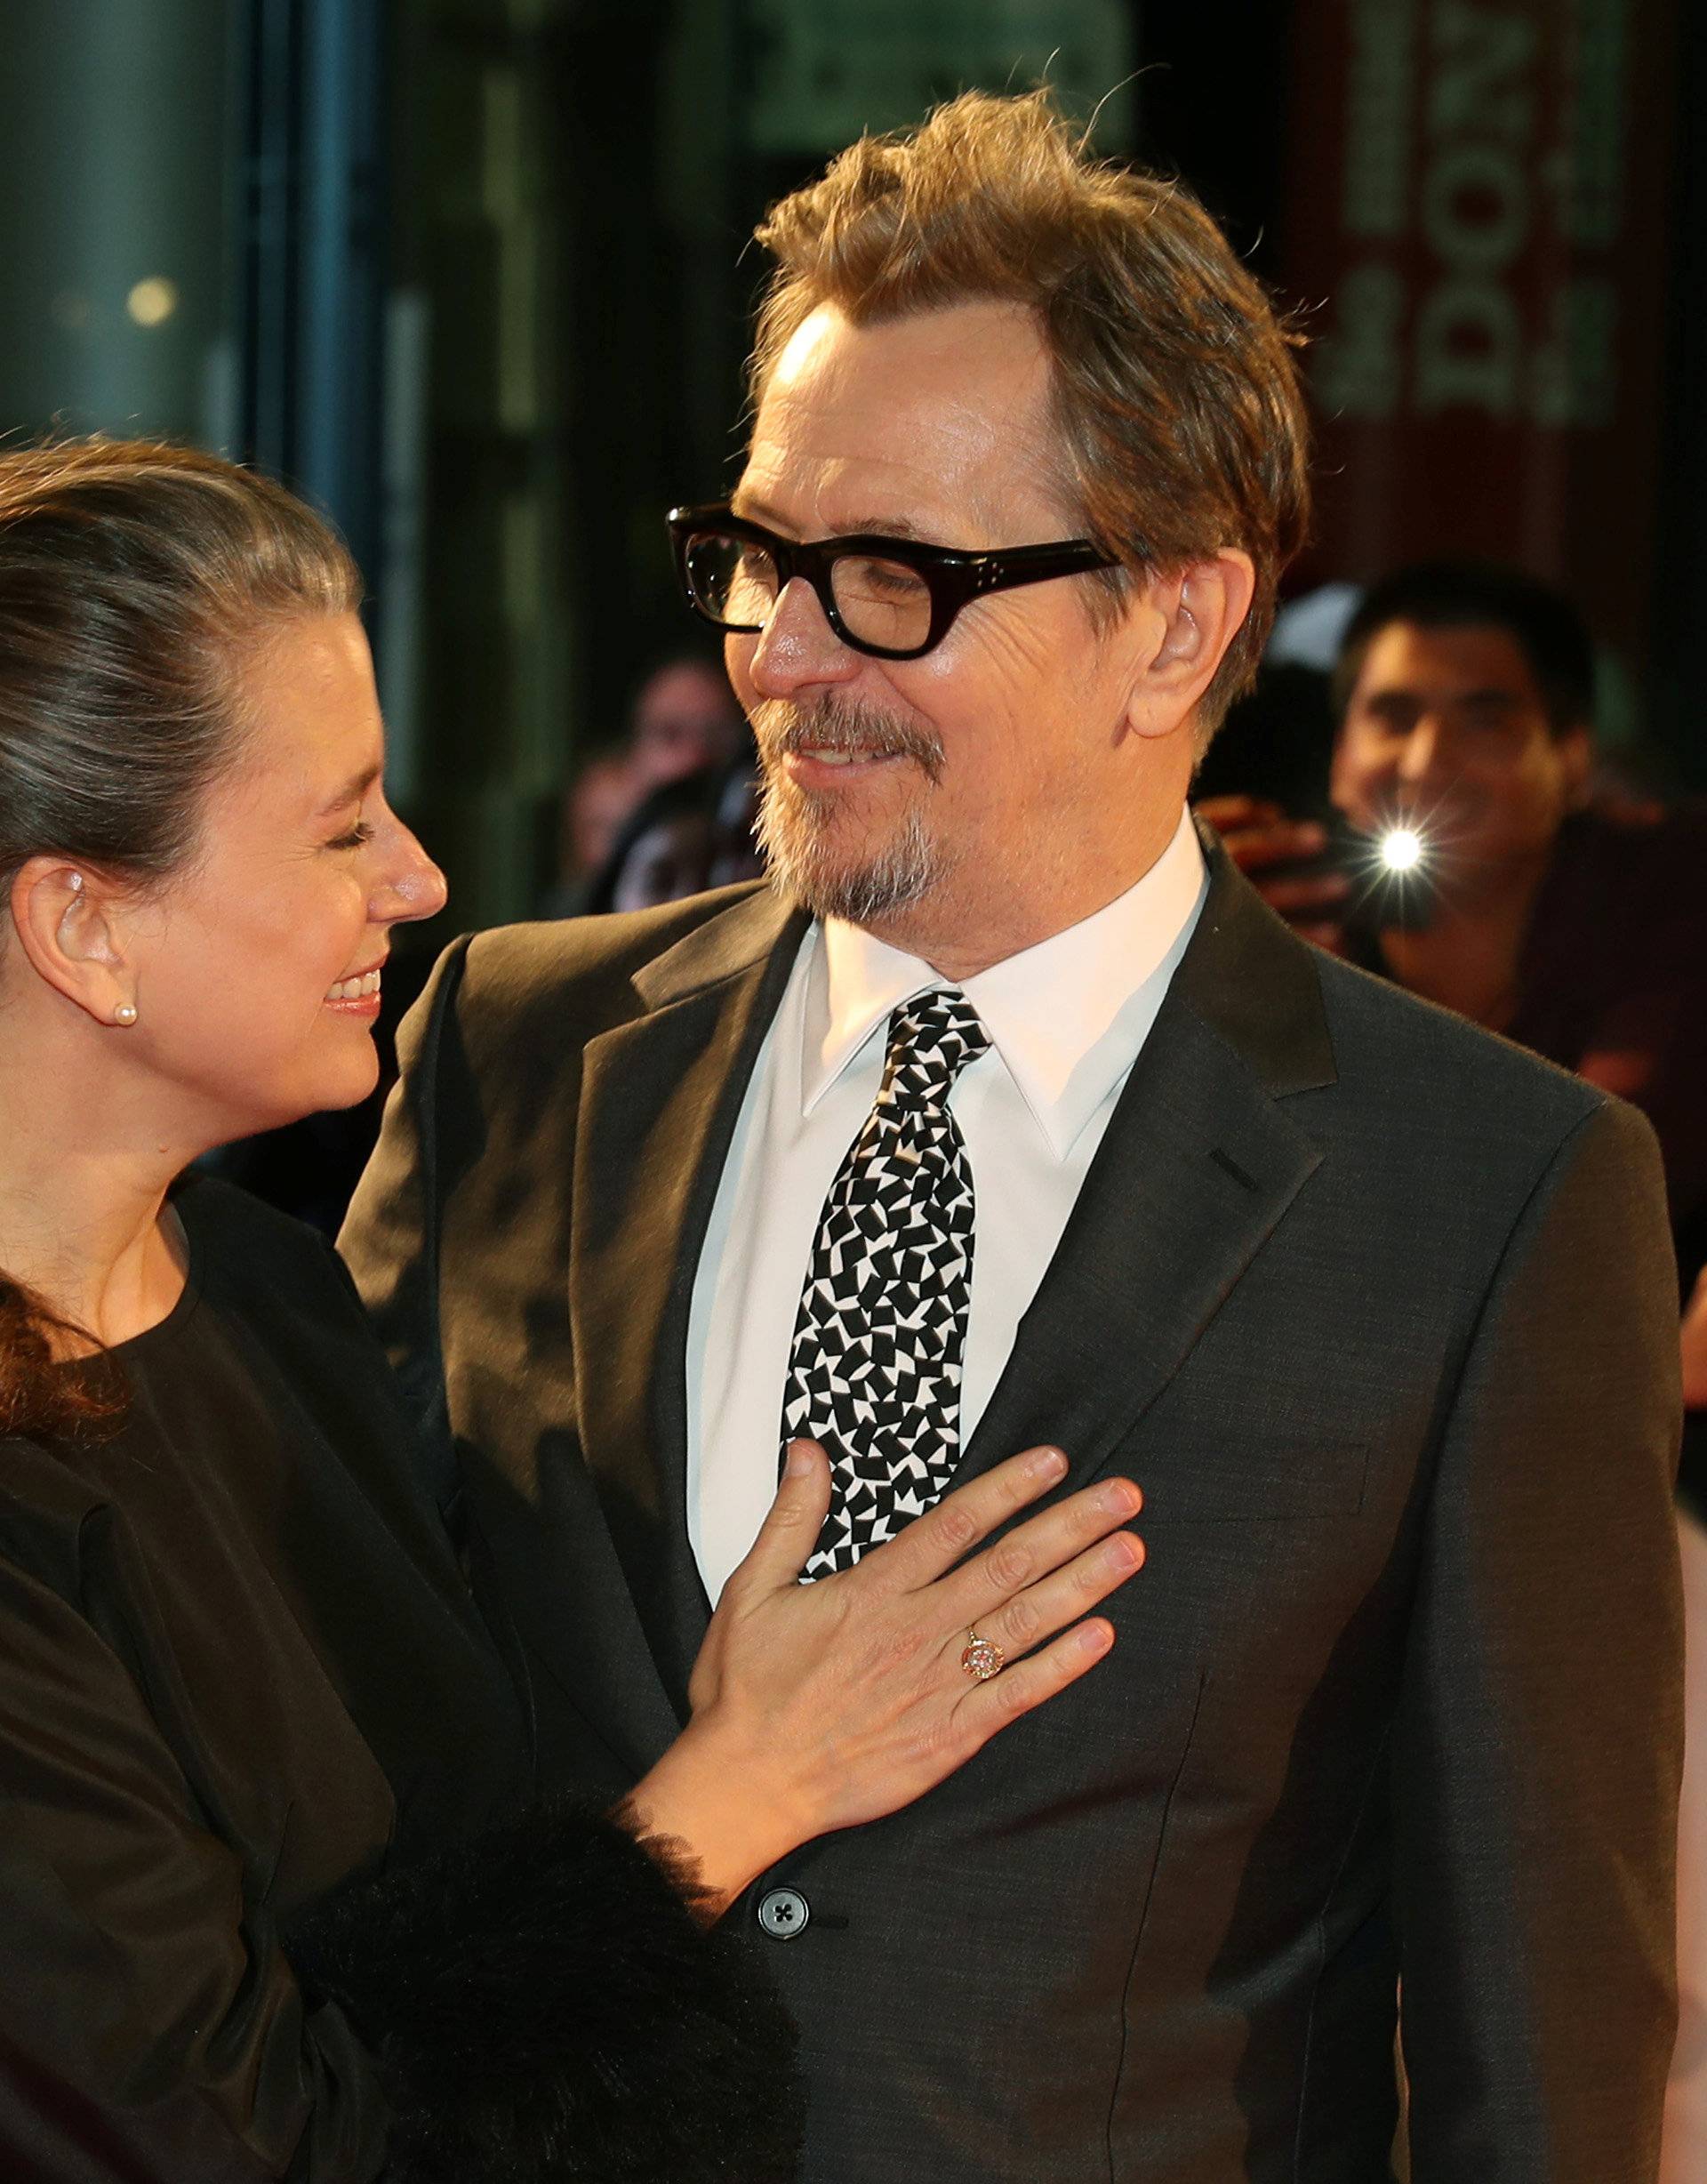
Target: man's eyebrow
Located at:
point(352, 790)
point(896, 527)
point(756, 510)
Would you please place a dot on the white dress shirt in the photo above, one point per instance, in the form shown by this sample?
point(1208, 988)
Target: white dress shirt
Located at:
point(1066, 1020)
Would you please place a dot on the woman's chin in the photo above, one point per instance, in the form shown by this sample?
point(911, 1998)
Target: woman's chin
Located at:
point(338, 1081)
point(353, 1083)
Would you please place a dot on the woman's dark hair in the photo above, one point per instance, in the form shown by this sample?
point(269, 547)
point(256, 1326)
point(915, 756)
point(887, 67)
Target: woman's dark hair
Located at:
point(137, 580)
point(1540, 620)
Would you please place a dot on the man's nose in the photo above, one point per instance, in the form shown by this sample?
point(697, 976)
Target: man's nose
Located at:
point(797, 648)
point(1423, 749)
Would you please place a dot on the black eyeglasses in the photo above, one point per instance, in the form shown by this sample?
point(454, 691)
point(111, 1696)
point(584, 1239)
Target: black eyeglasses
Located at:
point(892, 598)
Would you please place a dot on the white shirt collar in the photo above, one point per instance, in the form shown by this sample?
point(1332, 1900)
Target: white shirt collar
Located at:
point(1066, 1017)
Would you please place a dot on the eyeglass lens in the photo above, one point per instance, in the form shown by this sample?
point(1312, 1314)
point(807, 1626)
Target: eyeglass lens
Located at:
point(882, 603)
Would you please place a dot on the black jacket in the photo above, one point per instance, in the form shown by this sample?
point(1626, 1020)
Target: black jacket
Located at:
point(1380, 1313)
point(274, 1900)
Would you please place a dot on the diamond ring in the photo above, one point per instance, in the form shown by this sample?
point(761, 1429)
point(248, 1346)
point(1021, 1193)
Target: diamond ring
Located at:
point(983, 1658)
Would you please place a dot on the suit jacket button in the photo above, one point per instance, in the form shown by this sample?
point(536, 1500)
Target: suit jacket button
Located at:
point(783, 1913)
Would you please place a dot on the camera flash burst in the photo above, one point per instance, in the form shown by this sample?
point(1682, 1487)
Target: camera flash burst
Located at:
point(1401, 850)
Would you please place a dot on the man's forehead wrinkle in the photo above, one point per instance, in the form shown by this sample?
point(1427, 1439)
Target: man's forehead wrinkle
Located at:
point(821, 494)
point(854, 413)
point(823, 467)
point(803, 449)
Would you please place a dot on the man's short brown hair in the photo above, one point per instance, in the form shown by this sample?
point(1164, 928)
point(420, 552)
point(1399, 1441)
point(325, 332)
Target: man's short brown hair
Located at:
point(1176, 393)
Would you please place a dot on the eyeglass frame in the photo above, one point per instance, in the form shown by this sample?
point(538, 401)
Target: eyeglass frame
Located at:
point(953, 577)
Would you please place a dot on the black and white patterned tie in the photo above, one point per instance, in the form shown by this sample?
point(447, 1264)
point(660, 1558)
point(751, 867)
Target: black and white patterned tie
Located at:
point(873, 1371)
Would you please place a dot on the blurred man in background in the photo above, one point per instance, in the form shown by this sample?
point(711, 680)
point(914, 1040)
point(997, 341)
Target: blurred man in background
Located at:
point(683, 723)
point(684, 720)
point(599, 803)
point(1463, 700)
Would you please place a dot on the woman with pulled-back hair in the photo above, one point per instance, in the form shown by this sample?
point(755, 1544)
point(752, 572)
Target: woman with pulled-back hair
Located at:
point(278, 1895)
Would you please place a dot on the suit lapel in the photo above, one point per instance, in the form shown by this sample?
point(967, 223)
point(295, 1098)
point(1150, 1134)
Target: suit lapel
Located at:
point(660, 1099)
point(1197, 1165)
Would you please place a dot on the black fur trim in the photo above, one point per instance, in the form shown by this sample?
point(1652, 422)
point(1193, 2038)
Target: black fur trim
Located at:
point(542, 2004)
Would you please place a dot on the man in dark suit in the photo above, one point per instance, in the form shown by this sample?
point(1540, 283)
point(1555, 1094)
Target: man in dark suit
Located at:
point(1005, 1114)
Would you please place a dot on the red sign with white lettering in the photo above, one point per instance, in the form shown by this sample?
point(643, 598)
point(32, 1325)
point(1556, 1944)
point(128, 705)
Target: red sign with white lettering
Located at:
point(1476, 239)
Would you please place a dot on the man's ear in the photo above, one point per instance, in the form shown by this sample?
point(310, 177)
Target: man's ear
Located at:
point(1188, 616)
point(70, 924)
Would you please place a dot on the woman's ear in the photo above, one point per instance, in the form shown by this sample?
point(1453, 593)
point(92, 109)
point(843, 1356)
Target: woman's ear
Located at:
point(70, 923)
point(1192, 616)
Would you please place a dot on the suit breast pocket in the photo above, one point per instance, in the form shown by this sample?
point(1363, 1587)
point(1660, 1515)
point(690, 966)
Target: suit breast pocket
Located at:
point(1242, 1479)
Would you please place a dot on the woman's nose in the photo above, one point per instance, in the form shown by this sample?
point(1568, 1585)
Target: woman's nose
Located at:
point(414, 886)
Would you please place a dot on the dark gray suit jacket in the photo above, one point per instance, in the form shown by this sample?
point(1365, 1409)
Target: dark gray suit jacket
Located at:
point(1381, 1314)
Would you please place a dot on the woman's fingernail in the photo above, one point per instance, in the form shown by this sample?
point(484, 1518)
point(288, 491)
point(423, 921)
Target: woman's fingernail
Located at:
point(799, 1459)
point(1047, 1464)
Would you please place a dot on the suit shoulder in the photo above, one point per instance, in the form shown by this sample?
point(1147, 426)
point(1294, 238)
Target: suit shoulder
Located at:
point(563, 951)
point(1443, 1130)
point(1409, 1052)
point(579, 968)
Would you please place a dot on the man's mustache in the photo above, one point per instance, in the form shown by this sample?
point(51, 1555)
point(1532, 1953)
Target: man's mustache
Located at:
point(783, 729)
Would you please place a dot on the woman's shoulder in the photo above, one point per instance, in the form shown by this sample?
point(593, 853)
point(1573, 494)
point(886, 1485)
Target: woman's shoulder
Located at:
point(241, 1247)
point(278, 1312)
point(51, 1496)
point(247, 1260)
point(222, 1210)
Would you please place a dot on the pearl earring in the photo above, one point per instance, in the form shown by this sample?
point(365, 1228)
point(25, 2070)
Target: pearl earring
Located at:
point(74, 881)
point(125, 1013)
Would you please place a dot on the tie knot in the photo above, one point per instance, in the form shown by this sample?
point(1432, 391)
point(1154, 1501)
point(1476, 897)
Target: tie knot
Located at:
point(931, 1037)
